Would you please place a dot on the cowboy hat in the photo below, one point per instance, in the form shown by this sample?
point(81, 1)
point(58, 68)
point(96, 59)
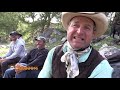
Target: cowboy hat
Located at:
point(99, 18)
point(15, 33)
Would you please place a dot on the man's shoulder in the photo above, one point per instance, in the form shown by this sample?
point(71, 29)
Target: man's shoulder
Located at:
point(33, 49)
point(19, 42)
point(42, 50)
point(96, 54)
point(45, 50)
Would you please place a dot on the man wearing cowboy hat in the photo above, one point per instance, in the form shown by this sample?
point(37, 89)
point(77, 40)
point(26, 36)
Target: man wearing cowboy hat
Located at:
point(76, 58)
point(15, 53)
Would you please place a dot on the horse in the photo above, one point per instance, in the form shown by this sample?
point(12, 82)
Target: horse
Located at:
point(115, 30)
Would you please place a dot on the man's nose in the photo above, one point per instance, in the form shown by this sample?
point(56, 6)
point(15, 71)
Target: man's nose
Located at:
point(80, 30)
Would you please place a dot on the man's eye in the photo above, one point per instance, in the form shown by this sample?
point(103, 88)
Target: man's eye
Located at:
point(87, 27)
point(75, 25)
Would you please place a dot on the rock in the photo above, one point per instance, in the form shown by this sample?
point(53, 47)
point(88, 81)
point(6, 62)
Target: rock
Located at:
point(99, 38)
point(52, 40)
point(56, 32)
point(116, 72)
point(110, 52)
point(47, 32)
point(116, 41)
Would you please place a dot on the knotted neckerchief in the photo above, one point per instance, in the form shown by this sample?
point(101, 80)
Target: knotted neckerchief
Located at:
point(71, 59)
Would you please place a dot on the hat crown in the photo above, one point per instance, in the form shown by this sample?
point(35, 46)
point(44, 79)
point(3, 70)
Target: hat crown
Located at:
point(83, 12)
point(99, 18)
point(41, 38)
point(14, 33)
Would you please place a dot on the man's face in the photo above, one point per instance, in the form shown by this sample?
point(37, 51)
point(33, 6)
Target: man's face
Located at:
point(12, 38)
point(80, 32)
point(40, 44)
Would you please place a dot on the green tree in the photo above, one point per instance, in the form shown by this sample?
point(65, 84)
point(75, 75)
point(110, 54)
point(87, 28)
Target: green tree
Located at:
point(29, 24)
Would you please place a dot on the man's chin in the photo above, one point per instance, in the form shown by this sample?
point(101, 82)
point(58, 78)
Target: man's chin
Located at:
point(77, 48)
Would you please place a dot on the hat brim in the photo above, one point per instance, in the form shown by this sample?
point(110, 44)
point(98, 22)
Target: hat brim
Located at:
point(100, 20)
point(20, 35)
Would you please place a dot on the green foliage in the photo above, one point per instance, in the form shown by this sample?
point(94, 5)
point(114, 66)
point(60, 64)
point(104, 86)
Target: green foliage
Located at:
point(20, 21)
point(8, 21)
